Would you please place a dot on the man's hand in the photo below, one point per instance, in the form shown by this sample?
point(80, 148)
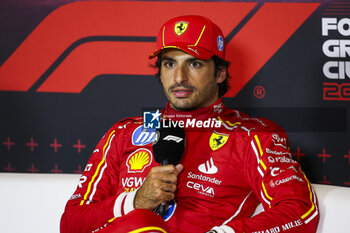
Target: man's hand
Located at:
point(159, 186)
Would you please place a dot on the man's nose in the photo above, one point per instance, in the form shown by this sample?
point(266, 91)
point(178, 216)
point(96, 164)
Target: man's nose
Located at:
point(180, 75)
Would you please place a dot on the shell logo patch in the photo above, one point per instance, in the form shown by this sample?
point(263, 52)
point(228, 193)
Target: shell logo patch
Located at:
point(139, 160)
point(217, 140)
point(180, 27)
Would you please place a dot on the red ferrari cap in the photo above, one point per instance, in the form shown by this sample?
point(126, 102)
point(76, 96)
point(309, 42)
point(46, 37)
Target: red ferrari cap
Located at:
point(193, 34)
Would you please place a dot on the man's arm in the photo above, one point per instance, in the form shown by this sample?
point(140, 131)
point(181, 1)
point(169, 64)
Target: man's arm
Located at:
point(96, 200)
point(288, 199)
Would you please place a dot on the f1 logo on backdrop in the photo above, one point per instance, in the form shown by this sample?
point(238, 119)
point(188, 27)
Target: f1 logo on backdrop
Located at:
point(80, 41)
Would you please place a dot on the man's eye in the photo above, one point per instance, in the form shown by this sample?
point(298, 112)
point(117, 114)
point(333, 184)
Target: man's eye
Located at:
point(168, 64)
point(196, 64)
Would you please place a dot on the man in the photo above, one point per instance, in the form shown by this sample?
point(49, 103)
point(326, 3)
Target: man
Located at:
point(229, 165)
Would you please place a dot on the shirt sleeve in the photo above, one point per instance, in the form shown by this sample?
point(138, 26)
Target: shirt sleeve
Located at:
point(289, 202)
point(96, 200)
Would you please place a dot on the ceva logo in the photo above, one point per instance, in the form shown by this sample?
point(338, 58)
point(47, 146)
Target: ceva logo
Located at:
point(202, 189)
point(82, 40)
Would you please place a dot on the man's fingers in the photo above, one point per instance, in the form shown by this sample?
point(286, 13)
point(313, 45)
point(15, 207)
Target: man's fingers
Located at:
point(166, 187)
point(163, 177)
point(164, 182)
point(164, 169)
point(160, 186)
point(179, 168)
point(169, 178)
point(166, 173)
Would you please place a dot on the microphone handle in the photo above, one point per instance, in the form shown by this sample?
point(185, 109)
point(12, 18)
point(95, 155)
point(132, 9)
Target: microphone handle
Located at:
point(162, 207)
point(165, 162)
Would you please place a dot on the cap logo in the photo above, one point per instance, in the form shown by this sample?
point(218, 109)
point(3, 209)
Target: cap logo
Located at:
point(220, 43)
point(180, 27)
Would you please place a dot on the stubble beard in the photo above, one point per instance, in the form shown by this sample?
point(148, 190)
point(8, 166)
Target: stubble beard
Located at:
point(194, 102)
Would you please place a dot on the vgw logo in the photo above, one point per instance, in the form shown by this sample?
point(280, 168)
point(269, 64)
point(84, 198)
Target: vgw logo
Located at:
point(64, 56)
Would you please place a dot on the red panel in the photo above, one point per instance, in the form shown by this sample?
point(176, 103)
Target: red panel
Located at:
point(78, 20)
point(261, 37)
point(95, 58)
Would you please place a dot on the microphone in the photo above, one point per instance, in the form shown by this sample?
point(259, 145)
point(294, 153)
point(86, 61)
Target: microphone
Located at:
point(168, 148)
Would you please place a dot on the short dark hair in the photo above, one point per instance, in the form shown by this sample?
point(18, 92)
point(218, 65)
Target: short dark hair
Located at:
point(219, 65)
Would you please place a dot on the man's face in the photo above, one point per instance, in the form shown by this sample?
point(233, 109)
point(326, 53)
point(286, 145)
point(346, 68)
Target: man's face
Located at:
point(189, 82)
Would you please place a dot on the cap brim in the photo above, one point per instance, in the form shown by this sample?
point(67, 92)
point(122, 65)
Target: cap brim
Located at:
point(195, 51)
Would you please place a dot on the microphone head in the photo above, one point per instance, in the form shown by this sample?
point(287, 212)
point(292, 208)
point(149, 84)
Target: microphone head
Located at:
point(169, 144)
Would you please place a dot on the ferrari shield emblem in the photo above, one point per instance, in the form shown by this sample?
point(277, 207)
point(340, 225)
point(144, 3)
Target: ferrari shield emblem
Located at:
point(180, 27)
point(217, 140)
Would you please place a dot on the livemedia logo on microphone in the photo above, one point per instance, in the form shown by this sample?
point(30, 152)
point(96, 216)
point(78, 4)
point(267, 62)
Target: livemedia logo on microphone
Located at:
point(152, 120)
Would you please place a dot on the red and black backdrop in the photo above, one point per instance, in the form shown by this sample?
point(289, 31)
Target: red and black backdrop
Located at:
point(70, 69)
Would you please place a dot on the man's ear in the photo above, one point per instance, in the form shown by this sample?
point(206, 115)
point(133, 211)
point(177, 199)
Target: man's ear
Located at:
point(221, 74)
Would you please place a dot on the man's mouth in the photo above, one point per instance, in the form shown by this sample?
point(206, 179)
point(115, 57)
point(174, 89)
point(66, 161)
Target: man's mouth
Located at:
point(182, 92)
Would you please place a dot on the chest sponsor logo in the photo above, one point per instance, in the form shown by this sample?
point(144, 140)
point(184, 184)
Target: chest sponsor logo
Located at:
point(269, 151)
point(132, 183)
point(202, 189)
point(212, 180)
point(208, 167)
point(139, 160)
point(285, 180)
point(143, 136)
point(276, 170)
point(283, 159)
point(217, 140)
point(278, 141)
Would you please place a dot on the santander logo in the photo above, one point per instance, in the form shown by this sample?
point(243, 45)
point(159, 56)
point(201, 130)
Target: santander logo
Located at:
point(208, 167)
